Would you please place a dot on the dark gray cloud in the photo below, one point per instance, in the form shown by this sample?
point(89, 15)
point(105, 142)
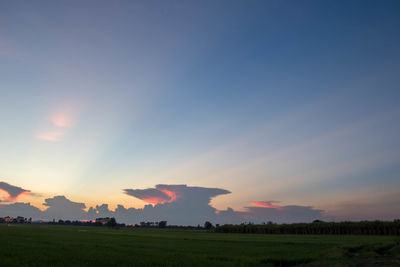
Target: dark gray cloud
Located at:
point(178, 204)
point(12, 191)
point(59, 207)
point(20, 209)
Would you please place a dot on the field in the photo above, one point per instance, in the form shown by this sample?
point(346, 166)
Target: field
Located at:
point(43, 245)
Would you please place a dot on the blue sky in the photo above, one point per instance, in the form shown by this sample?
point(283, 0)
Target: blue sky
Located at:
point(292, 101)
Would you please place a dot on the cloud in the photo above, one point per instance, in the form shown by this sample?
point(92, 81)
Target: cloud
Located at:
point(384, 205)
point(62, 119)
point(60, 122)
point(151, 195)
point(59, 207)
point(51, 136)
point(266, 204)
point(177, 204)
point(20, 209)
point(13, 192)
point(283, 214)
point(163, 193)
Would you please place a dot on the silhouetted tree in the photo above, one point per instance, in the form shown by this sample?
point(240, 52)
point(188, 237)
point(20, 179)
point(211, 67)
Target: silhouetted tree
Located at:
point(162, 224)
point(317, 227)
point(208, 225)
point(112, 222)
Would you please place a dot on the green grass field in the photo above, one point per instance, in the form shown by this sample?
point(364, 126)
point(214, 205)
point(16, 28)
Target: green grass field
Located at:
point(42, 245)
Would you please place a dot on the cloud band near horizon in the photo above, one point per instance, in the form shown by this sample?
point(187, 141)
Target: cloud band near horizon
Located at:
point(178, 204)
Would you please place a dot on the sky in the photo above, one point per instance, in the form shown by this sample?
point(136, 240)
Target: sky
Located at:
point(256, 106)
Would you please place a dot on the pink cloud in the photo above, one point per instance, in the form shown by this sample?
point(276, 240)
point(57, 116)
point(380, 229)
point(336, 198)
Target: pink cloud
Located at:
point(266, 204)
point(51, 136)
point(62, 119)
point(60, 122)
point(153, 195)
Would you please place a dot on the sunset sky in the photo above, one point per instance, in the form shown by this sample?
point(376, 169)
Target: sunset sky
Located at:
point(278, 102)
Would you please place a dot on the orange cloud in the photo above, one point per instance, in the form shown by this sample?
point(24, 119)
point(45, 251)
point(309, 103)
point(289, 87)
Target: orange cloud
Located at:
point(155, 200)
point(11, 192)
point(171, 194)
point(25, 193)
point(266, 204)
point(154, 196)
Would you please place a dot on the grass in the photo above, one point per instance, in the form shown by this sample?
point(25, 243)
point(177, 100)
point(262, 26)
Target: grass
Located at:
point(43, 245)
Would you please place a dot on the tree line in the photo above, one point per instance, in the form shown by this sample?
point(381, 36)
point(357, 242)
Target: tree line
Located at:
point(316, 228)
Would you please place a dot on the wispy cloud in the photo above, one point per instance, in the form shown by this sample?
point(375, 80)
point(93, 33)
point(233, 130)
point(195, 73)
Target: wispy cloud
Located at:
point(60, 122)
point(62, 119)
point(51, 136)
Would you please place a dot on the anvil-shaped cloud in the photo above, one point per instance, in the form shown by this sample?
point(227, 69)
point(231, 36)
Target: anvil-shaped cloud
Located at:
point(13, 192)
point(163, 193)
